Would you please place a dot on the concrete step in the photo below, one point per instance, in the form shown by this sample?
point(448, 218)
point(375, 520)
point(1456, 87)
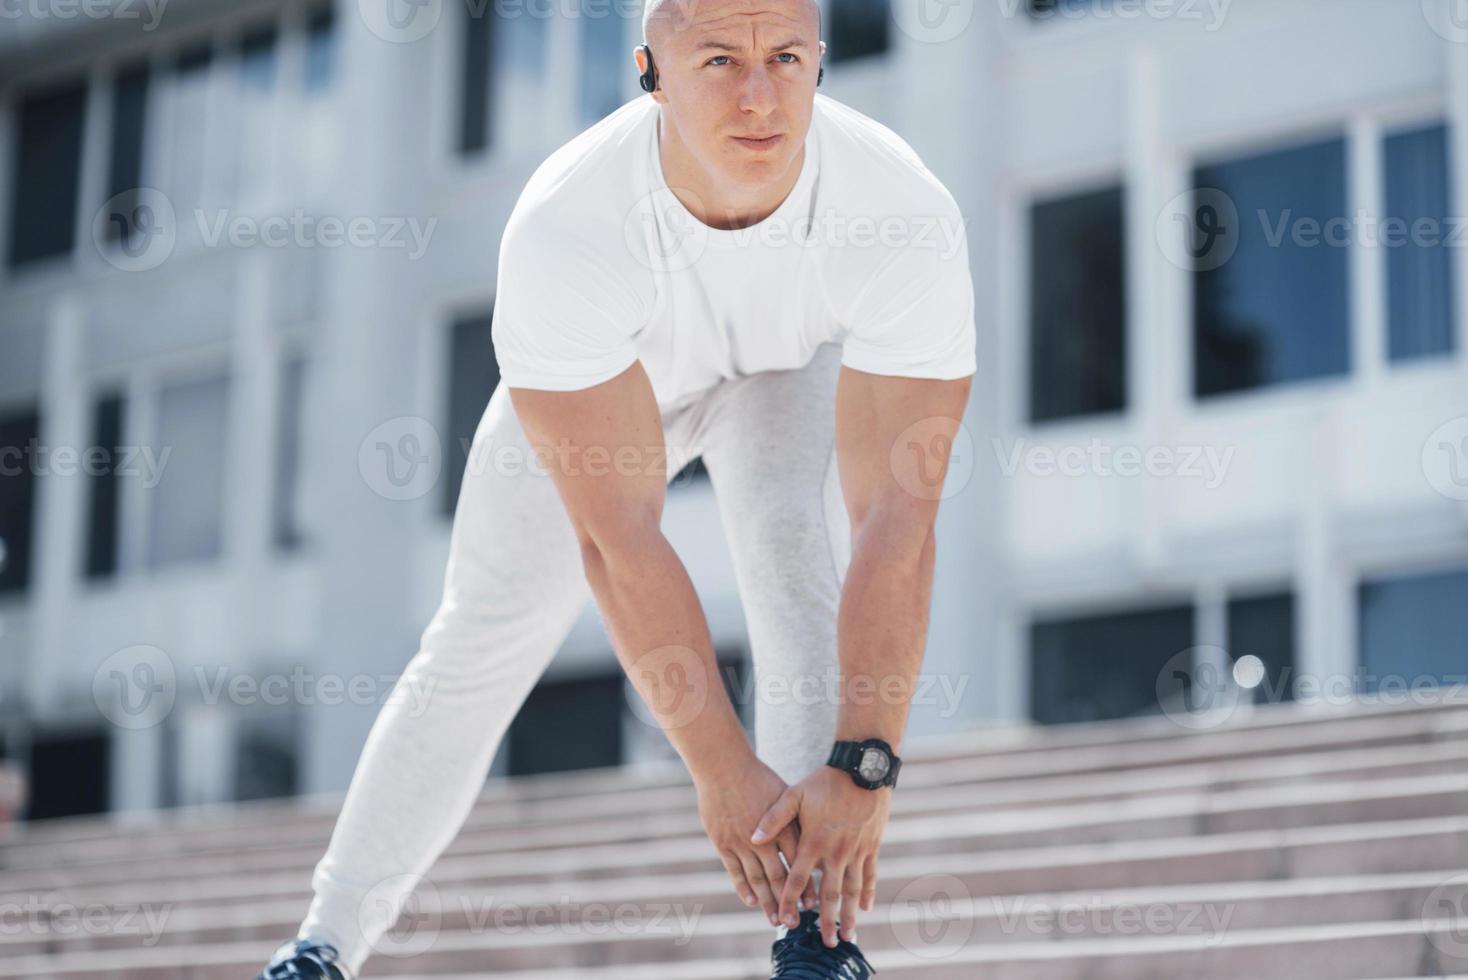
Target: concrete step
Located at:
point(125, 857)
point(1023, 753)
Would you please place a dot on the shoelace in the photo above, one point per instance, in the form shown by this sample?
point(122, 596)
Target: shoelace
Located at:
point(315, 956)
point(802, 955)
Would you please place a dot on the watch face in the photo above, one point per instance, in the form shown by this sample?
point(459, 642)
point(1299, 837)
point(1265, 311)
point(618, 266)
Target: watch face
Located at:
point(874, 765)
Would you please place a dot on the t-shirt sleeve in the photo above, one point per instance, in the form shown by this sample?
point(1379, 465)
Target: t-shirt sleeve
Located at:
point(564, 314)
point(914, 316)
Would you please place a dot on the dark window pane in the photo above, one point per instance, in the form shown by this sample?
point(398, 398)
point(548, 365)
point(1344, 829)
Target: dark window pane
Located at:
point(474, 121)
point(858, 28)
point(1414, 627)
point(104, 483)
point(1041, 9)
point(1264, 627)
point(321, 50)
point(266, 761)
point(18, 436)
point(692, 472)
point(1277, 310)
point(473, 375)
point(1110, 666)
point(125, 165)
point(47, 165)
point(70, 774)
point(196, 57)
point(603, 61)
point(258, 57)
point(285, 520)
point(1419, 264)
point(575, 724)
point(1077, 306)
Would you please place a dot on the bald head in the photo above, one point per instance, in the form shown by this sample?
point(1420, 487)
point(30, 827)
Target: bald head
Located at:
point(661, 19)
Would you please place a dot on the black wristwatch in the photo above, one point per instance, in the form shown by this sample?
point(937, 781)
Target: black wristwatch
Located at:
point(870, 763)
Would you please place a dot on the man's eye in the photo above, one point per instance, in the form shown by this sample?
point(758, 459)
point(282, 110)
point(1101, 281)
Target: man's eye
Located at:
point(717, 57)
point(791, 55)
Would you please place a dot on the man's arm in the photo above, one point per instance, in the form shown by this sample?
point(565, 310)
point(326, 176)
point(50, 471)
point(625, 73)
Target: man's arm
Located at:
point(604, 449)
point(893, 436)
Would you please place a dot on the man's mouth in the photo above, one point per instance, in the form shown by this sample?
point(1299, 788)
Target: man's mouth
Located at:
point(760, 144)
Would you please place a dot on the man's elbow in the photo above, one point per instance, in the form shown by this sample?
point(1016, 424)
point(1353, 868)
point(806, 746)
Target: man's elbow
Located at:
point(897, 529)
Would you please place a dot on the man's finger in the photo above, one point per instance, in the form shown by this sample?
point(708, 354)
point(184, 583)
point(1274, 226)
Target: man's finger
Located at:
point(777, 817)
point(736, 875)
point(788, 844)
point(851, 900)
point(869, 883)
point(776, 874)
point(794, 885)
point(832, 876)
point(754, 873)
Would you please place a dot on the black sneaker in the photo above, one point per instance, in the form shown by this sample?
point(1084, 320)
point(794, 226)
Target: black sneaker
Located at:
point(303, 959)
point(802, 955)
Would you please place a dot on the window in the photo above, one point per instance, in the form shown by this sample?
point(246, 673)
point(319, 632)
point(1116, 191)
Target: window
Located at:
point(321, 51)
point(69, 773)
point(186, 508)
point(189, 130)
point(575, 724)
point(859, 28)
point(266, 759)
point(473, 376)
point(18, 435)
point(502, 74)
point(475, 124)
point(1414, 627)
point(1077, 306)
point(1419, 263)
point(252, 107)
point(47, 166)
point(103, 484)
point(1107, 666)
point(1277, 310)
point(692, 472)
point(1264, 627)
point(289, 422)
point(605, 59)
point(125, 162)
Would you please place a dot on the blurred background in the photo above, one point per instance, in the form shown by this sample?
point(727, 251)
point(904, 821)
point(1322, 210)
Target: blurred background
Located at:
point(1217, 443)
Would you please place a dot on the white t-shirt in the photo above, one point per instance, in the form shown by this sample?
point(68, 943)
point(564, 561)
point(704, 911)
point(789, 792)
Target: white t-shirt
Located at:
point(601, 264)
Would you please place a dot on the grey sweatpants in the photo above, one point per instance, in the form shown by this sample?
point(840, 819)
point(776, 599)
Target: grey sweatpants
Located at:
point(513, 589)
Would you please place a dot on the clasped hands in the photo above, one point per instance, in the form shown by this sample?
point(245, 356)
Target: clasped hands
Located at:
point(823, 822)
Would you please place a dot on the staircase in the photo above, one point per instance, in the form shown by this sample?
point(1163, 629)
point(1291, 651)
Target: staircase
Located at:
point(1292, 843)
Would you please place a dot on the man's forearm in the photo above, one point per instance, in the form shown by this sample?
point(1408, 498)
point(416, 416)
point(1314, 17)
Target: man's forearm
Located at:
point(882, 628)
point(662, 640)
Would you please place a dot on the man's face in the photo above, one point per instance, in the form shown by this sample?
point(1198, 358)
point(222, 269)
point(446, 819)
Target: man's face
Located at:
point(739, 68)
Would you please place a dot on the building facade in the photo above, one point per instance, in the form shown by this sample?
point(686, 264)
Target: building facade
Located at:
point(250, 251)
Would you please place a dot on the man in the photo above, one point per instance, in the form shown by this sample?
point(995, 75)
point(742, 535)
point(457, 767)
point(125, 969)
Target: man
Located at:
point(739, 268)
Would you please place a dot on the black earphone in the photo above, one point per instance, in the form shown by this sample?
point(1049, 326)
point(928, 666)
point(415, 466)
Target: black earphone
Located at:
point(649, 79)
